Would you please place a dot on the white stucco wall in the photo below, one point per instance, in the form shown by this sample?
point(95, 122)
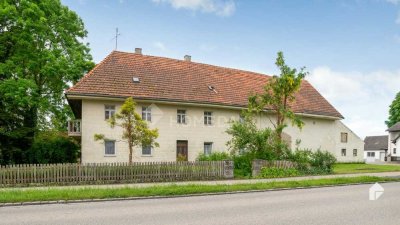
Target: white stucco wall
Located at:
point(316, 134)
point(391, 146)
point(377, 155)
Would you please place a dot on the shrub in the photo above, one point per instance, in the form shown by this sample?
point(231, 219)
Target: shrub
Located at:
point(215, 156)
point(319, 162)
point(242, 164)
point(273, 172)
point(53, 147)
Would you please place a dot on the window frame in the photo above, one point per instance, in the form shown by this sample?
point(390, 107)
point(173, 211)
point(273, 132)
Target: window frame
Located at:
point(151, 150)
point(146, 113)
point(355, 152)
point(109, 111)
point(208, 118)
point(181, 116)
point(346, 139)
point(394, 151)
point(105, 148)
point(210, 150)
point(371, 154)
point(343, 152)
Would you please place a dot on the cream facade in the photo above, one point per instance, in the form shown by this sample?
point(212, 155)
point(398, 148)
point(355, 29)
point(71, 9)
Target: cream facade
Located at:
point(319, 132)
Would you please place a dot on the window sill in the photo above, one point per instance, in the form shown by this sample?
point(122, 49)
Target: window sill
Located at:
point(110, 155)
point(147, 155)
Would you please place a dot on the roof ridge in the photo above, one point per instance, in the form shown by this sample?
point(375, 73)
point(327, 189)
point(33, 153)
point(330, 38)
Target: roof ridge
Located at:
point(198, 63)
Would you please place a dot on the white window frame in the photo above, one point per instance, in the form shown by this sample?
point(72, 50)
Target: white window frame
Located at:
point(151, 150)
point(210, 150)
point(181, 116)
point(146, 113)
point(371, 154)
point(109, 111)
point(208, 118)
point(343, 153)
point(105, 147)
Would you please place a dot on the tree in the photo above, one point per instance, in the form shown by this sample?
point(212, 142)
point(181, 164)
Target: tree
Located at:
point(135, 130)
point(279, 92)
point(41, 41)
point(394, 111)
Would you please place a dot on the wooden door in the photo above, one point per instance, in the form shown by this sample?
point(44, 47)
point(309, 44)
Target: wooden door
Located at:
point(181, 150)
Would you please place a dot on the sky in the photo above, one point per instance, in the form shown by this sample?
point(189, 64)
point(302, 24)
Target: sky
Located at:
point(351, 48)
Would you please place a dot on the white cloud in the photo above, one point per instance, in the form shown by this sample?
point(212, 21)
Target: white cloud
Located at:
point(362, 98)
point(219, 7)
point(159, 45)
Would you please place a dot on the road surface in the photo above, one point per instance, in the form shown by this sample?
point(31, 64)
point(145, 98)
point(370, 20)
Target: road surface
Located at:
point(332, 205)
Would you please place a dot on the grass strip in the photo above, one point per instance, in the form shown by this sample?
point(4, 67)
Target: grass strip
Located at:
point(347, 168)
point(52, 194)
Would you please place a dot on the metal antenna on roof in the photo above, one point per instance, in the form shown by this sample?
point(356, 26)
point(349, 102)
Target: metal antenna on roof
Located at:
point(116, 38)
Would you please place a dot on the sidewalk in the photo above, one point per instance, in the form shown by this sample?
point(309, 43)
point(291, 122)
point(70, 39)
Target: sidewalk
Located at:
point(214, 182)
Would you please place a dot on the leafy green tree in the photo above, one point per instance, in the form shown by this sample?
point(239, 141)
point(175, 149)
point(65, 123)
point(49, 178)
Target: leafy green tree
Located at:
point(394, 111)
point(41, 41)
point(279, 92)
point(135, 130)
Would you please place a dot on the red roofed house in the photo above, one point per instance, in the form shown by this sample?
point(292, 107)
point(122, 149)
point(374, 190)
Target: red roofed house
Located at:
point(191, 104)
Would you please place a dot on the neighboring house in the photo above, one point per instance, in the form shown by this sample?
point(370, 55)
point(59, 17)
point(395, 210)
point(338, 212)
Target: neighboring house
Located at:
point(191, 104)
point(375, 148)
point(394, 142)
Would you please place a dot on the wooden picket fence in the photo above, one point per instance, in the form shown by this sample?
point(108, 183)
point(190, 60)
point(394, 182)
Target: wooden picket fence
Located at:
point(61, 174)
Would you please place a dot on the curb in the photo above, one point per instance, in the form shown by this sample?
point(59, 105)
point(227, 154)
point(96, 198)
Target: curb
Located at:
point(176, 196)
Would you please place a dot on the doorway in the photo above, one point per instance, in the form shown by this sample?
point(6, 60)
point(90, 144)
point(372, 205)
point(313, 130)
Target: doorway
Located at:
point(181, 150)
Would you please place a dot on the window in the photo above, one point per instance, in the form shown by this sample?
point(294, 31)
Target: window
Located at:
point(208, 118)
point(146, 113)
point(344, 152)
point(109, 111)
point(343, 137)
point(181, 116)
point(354, 152)
point(146, 150)
point(207, 148)
point(109, 147)
point(371, 154)
point(394, 150)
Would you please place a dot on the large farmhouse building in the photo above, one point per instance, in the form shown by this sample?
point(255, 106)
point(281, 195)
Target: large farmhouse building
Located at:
point(191, 104)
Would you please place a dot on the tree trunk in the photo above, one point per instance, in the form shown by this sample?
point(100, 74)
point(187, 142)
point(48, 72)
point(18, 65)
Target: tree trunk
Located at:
point(130, 153)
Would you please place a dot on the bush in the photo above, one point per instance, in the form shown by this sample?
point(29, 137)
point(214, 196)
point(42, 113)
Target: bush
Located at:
point(319, 162)
point(273, 172)
point(53, 147)
point(215, 156)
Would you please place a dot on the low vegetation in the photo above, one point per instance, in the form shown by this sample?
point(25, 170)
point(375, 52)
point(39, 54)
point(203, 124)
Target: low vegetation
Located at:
point(54, 194)
point(344, 168)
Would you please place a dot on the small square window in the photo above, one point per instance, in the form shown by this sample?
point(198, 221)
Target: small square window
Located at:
point(109, 147)
point(208, 148)
point(181, 116)
point(354, 152)
point(344, 152)
point(208, 118)
point(146, 150)
point(146, 113)
point(343, 137)
point(109, 111)
point(371, 154)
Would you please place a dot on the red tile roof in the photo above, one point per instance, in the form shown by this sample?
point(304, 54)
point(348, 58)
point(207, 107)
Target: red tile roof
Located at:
point(182, 81)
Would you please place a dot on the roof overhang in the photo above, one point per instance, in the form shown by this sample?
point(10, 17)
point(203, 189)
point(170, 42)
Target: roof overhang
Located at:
point(80, 96)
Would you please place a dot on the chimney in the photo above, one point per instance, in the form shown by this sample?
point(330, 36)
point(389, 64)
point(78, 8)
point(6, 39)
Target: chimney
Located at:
point(188, 58)
point(138, 51)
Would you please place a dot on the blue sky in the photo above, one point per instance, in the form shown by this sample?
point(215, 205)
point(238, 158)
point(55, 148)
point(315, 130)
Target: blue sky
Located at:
point(351, 48)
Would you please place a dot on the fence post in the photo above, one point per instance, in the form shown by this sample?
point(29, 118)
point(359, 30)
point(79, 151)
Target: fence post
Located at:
point(256, 166)
point(228, 169)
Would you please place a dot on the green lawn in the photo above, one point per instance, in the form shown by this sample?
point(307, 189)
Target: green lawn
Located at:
point(343, 168)
point(52, 194)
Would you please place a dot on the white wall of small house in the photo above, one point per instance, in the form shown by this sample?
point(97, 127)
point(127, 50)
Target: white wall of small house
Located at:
point(317, 133)
point(392, 136)
point(377, 155)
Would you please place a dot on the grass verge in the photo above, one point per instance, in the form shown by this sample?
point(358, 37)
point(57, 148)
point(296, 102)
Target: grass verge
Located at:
point(52, 194)
point(344, 168)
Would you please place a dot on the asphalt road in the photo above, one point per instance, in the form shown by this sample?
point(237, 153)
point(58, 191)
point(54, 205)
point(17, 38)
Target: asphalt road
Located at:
point(333, 205)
